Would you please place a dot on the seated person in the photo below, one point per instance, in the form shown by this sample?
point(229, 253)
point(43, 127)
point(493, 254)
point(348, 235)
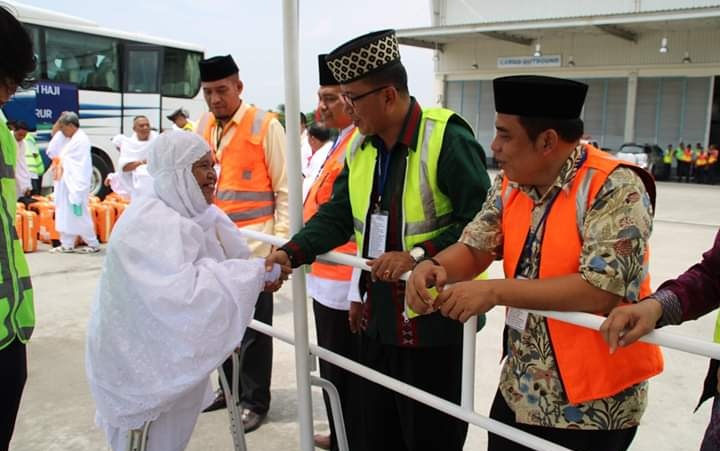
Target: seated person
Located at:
point(175, 297)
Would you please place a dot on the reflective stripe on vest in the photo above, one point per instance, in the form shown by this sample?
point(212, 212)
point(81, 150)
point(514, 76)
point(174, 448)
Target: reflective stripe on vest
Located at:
point(17, 316)
point(587, 369)
point(244, 188)
point(427, 211)
point(321, 192)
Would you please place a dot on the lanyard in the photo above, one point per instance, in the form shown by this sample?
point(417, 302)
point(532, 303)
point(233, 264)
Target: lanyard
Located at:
point(533, 234)
point(382, 169)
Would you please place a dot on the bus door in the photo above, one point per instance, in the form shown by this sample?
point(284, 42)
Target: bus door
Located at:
point(141, 90)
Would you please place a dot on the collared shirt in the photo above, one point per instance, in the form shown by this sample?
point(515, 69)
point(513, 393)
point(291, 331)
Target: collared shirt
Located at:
point(461, 177)
point(615, 231)
point(274, 145)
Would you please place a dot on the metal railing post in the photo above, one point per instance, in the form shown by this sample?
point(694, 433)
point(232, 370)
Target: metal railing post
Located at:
point(291, 37)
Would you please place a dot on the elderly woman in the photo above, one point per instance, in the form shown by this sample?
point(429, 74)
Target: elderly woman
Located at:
point(175, 297)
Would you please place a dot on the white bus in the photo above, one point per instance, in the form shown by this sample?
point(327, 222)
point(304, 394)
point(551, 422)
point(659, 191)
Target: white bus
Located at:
point(107, 76)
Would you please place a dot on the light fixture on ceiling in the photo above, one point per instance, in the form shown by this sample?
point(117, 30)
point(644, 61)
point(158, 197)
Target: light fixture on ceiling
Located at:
point(664, 45)
point(686, 59)
point(571, 61)
point(538, 50)
point(475, 66)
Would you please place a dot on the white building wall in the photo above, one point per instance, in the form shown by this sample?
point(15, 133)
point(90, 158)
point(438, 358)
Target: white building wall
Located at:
point(452, 12)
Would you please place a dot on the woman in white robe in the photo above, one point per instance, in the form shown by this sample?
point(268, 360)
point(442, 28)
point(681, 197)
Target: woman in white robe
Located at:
point(175, 296)
point(72, 169)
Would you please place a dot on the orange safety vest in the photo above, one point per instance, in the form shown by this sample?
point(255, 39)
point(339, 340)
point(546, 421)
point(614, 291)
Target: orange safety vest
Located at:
point(702, 159)
point(587, 369)
point(320, 192)
point(712, 159)
point(244, 189)
point(687, 155)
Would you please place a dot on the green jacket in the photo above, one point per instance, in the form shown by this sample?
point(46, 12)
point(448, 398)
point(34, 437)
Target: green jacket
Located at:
point(17, 315)
point(460, 177)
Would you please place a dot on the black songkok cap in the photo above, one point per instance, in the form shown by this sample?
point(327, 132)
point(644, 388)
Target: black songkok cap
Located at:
point(364, 55)
point(539, 96)
point(217, 68)
point(326, 75)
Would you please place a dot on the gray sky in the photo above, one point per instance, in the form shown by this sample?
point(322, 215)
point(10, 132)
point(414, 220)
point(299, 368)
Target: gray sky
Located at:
point(252, 32)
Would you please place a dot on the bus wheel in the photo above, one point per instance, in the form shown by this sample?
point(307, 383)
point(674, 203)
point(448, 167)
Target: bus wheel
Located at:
point(100, 170)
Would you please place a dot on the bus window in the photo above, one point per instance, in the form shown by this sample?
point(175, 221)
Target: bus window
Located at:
point(87, 60)
point(181, 75)
point(142, 70)
point(34, 33)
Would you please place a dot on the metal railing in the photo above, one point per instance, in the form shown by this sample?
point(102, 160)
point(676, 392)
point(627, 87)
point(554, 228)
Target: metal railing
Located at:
point(466, 410)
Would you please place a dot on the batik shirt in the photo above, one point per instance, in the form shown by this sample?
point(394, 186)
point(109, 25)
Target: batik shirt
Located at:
point(615, 231)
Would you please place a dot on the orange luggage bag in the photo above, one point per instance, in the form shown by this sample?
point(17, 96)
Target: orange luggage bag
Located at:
point(30, 226)
point(104, 219)
point(46, 220)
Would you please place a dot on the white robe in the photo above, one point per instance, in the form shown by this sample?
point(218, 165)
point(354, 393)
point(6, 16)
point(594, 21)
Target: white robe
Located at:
point(129, 183)
point(74, 186)
point(174, 300)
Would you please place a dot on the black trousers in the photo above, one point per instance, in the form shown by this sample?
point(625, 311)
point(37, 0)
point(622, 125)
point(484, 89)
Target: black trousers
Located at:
point(256, 353)
point(333, 333)
point(393, 422)
point(580, 440)
point(36, 186)
point(13, 361)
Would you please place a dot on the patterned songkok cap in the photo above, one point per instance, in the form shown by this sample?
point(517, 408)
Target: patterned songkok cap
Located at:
point(364, 55)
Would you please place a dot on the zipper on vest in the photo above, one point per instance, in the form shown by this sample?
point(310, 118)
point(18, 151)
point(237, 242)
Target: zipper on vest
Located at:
point(402, 223)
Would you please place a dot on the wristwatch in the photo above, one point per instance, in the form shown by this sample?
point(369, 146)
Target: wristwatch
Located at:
point(417, 253)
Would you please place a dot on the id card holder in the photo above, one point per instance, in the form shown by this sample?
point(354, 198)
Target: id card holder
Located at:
point(516, 318)
point(378, 233)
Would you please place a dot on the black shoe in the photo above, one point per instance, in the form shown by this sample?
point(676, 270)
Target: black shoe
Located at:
point(218, 403)
point(251, 420)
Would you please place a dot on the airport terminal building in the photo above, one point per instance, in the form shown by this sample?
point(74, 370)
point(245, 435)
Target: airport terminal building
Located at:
point(653, 66)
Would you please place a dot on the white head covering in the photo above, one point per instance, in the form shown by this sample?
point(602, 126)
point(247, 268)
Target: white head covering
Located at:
point(170, 164)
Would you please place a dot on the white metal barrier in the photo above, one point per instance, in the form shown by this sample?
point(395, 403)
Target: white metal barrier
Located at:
point(466, 410)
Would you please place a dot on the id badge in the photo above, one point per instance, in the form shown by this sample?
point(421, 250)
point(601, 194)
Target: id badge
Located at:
point(378, 234)
point(516, 318)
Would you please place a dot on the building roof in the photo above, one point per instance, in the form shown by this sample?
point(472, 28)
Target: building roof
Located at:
point(623, 25)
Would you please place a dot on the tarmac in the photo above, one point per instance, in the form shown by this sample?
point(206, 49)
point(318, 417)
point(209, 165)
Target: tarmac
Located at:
point(57, 411)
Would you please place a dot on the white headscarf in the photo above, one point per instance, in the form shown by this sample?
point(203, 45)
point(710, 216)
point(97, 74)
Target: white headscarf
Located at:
point(170, 165)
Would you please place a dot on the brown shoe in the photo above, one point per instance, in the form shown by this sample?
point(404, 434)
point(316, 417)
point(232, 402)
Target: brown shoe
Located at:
point(218, 403)
point(251, 420)
point(322, 441)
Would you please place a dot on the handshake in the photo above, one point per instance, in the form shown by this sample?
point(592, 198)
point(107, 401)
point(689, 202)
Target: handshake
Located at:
point(277, 270)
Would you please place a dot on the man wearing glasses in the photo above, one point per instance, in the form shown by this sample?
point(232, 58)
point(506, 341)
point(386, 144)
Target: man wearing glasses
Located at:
point(412, 179)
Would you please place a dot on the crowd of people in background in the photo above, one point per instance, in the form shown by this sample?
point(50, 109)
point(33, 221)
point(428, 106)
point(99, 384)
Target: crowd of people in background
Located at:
point(696, 164)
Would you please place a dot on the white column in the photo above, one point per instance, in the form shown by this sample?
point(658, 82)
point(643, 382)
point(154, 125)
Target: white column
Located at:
point(291, 37)
point(630, 107)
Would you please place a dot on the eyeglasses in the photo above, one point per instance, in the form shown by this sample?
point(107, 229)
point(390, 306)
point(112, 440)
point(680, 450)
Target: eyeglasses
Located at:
point(351, 100)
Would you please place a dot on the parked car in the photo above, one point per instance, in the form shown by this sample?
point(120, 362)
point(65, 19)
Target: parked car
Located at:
point(647, 156)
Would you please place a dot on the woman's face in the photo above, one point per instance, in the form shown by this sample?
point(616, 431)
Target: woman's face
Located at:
point(204, 172)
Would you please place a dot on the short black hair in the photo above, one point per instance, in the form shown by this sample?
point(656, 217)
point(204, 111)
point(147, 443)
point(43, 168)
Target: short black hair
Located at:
point(394, 75)
point(303, 119)
point(21, 125)
point(319, 132)
point(569, 130)
point(18, 59)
